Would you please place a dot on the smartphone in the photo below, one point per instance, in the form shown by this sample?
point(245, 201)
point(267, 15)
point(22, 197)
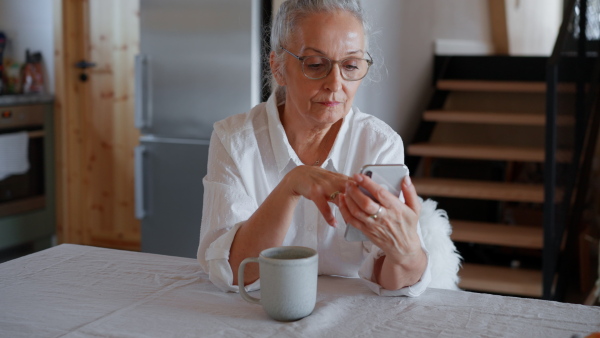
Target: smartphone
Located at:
point(389, 176)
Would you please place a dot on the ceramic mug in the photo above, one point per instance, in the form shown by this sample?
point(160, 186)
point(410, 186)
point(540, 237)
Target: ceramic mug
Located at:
point(288, 281)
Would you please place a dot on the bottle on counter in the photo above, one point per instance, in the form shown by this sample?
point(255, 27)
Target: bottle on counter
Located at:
point(12, 78)
point(11, 70)
point(2, 75)
point(33, 75)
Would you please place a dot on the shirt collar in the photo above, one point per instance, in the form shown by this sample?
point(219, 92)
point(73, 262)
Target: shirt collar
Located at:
point(283, 151)
point(339, 152)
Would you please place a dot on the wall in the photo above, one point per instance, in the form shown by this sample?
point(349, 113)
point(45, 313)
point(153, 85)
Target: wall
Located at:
point(402, 46)
point(533, 25)
point(28, 24)
point(462, 27)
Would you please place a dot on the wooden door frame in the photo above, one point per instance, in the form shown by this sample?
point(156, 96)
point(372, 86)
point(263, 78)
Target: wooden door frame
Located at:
point(499, 26)
point(68, 36)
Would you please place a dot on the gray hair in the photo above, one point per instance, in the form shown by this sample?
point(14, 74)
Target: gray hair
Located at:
point(289, 15)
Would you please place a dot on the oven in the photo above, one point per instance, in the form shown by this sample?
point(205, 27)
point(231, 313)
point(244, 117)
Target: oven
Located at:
point(24, 192)
point(27, 200)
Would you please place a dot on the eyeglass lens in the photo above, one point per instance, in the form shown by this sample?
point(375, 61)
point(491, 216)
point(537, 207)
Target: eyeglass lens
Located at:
point(316, 67)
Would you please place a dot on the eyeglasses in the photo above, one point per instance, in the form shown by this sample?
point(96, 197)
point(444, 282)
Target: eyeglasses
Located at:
point(318, 67)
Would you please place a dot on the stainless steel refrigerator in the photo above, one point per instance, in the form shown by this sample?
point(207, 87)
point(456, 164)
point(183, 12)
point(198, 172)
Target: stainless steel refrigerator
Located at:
point(199, 62)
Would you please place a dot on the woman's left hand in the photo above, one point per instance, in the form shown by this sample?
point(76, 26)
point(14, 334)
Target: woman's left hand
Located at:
point(393, 228)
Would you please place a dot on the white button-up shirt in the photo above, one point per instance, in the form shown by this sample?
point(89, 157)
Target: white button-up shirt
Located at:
point(248, 157)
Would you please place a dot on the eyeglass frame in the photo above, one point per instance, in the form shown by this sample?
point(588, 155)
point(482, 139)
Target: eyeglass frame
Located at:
point(332, 62)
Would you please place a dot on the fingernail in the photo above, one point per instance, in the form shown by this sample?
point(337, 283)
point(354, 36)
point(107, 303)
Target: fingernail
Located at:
point(408, 181)
point(334, 224)
point(358, 177)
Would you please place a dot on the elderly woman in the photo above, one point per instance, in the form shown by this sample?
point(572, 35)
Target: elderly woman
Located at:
point(274, 172)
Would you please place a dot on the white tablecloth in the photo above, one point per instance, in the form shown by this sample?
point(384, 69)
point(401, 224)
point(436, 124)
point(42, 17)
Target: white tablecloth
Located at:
point(79, 291)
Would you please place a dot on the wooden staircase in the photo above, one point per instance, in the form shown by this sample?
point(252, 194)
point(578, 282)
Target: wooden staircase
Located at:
point(481, 121)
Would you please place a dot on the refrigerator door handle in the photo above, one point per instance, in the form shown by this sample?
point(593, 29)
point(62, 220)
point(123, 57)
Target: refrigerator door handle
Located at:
point(140, 211)
point(142, 92)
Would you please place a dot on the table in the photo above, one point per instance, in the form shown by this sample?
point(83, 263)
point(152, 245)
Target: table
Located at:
point(82, 291)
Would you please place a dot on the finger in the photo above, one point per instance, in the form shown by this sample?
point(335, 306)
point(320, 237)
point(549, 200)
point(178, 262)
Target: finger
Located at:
point(326, 211)
point(347, 215)
point(381, 194)
point(362, 201)
point(373, 233)
point(338, 179)
point(355, 210)
point(339, 187)
point(410, 195)
point(334, 197)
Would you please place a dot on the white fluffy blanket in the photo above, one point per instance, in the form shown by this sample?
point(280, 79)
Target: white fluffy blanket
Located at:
point(444, 259)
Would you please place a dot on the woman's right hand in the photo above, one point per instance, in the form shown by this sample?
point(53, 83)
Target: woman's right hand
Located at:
point(268, 226)
point(318, 185)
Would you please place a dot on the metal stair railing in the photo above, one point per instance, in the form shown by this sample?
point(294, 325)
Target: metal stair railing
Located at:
point(563, 217)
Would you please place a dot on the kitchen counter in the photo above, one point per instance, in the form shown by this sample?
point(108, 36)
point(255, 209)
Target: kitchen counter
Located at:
point(13, 100)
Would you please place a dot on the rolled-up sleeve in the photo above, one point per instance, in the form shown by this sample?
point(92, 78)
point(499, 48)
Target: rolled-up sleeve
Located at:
point(226, 207)
point(366, 272)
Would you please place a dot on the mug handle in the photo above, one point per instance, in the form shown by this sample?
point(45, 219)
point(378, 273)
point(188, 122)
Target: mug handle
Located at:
point(243, 292)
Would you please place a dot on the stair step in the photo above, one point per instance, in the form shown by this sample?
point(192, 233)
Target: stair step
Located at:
point(501, 86)
point(498, 234)
point(521, 119)
point(484, 152)
point(486, 278)
point(501, 191)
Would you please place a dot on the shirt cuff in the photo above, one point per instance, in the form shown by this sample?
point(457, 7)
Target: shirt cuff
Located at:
point(366, 274)
point(219, 270)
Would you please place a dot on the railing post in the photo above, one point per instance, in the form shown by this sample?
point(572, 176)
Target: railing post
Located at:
point(549, 251)
point(580, 115)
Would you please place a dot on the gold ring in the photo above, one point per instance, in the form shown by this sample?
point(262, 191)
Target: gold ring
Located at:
point(334, 195)
point(375, 215)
